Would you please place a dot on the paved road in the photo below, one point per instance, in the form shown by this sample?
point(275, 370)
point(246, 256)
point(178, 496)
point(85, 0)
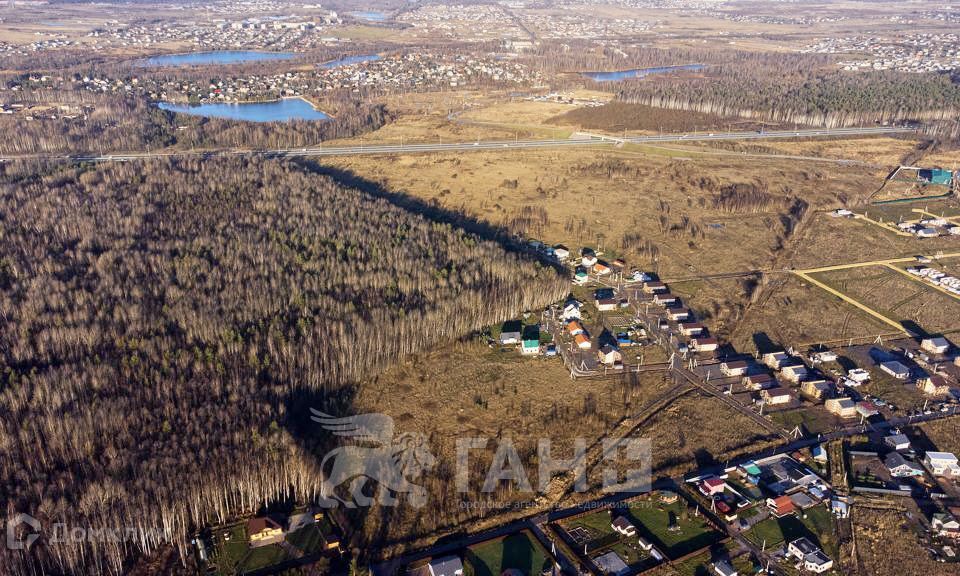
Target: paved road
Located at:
point(497, 145)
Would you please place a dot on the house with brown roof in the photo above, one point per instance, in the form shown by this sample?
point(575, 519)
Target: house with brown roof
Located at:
point(263, 531)
point(781, 506)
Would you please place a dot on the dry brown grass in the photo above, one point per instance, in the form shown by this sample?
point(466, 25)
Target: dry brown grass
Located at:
point(886, 546)
point(897, 297)
point(793, 312)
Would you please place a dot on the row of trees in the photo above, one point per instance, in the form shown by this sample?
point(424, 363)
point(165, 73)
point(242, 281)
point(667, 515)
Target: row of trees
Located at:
point(830, 99)
point(164, 326)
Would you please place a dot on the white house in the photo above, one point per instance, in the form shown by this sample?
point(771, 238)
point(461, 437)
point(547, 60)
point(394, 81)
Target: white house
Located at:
point(571, 311)
point(446, 566)
point(897, 441)
point(813, 558)
point(895, 369)
point(942, 464)
point(623, 526)
point(560, 252)
point(734, 368)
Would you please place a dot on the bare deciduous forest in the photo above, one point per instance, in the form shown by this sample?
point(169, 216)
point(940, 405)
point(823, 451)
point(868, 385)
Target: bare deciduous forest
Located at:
point(164, 326)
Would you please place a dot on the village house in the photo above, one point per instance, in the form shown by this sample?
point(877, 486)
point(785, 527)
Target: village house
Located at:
point(712, 486)
point(623, 526)
point(897, 442)
point(574, 327)
point(781, 506)
point(654, 287)
point(823, 356)
point(601, 268)
point(571, 310)
point(664, 299)
point(760, 381)
point(704, 344)
point(588, 259)
point(816, 389)
point(606, 304)
point(794, 373)
point(776, 396)
point(945, 525)
point(734, 368)
point(934, 385)
point(691, 328)
point(942, 464)
point(582, 341)
point(900, 467)
point(776, 360)
point(936, 345)
point(264, 531)
point(895, 369)
point(446, 566)
point(810, 554)
point(510, 333)
point(723, 568)
point(609, 355)
point(678, 314)
point(842, 407)
point(561, 253)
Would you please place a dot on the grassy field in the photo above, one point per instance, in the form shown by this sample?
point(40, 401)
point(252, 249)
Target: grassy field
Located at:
point(673, 528)
point(817, 526)
point(519, 552)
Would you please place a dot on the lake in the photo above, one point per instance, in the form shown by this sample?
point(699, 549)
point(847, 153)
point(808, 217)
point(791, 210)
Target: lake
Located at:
point(216, 57)
point(371, 16)
point(639, 72)
point(282, 110)
point(347, 60)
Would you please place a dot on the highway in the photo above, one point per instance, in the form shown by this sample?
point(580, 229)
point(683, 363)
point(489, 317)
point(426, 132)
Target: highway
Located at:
point(577, 141)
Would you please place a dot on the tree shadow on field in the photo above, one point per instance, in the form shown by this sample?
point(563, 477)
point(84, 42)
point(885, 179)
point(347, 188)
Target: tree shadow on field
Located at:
point(764, 343)
point(431, 210)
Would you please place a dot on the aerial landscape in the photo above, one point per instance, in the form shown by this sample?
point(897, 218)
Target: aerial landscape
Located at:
point(480, 287)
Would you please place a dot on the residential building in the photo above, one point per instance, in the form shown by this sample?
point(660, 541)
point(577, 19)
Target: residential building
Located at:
point(734, 368)
point(723, 568)
point(900, 467)
point(582, 342)
point(816, 389)
point(704, 344)
point(691, 328)
point(942, 464)
point(934, 385)
point(810, 554)
point(776, 360)
point(263, 531)
point(781, 506)
point(936, 345)
point(446, 566)
point(794, 373)
point(895, 369)
point(842, 407)
point(761, 381)
point(678, 314)
point(897, 441)
point(712, 486)
point(623, 526)
point(776, 396)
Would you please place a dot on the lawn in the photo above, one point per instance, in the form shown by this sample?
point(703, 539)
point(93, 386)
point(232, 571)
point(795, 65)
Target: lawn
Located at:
point(307, 539)
point(262, 557)
point(817, 526)
point(518, 551)
point(598, 524)
point(691, 532)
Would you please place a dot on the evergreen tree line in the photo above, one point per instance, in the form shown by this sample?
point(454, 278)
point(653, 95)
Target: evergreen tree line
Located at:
point(163, 324)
